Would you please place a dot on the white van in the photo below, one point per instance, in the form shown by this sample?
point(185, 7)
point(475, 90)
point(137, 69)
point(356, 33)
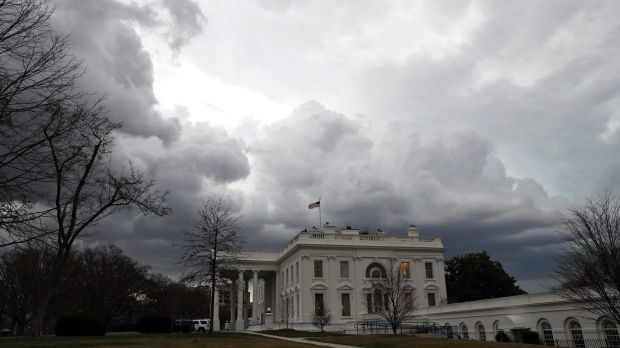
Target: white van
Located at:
point(201, 325)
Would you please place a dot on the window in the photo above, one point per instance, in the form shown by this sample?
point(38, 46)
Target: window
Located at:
point(576, 334)
point(344, 269)
point(297, 271)
point(482, 335)
point(428, 266)
point(464, 331)
point(318, 303)
point(408, 301)
point(611, 333)
point(377, 299)
point(318, 269)
point(547, 334)
point(375, 270)
point(298, 313)
point(287, 276)
point(404, 269)
point(496, 328)
point(431, 299)
point(289, 306)
point(346, 305)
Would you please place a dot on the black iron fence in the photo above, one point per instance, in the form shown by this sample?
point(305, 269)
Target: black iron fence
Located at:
point(586, 343)
point(378, 327)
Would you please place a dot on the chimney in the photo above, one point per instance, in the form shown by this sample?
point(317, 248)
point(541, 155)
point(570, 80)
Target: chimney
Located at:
point(413, 231)
point(327, 228)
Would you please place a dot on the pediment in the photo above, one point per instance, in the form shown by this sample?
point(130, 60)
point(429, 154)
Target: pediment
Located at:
point(318, 286)
point(345, 287)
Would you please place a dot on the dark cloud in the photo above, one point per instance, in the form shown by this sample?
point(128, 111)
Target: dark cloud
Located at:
point(104, 35)
point(188, 19)
point(200, 163)
point(452, 186)
point(482, 122)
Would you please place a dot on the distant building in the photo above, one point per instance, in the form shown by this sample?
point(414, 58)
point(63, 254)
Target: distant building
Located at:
point(335, 268)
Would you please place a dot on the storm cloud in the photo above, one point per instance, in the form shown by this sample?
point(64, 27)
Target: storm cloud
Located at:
point(478, 121)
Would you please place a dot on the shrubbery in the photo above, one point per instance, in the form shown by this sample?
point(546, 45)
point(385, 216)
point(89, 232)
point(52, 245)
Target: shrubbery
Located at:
point(530, 337)
point(121, 327)
point(80, 324)
point(502, 337)
point(154, 323)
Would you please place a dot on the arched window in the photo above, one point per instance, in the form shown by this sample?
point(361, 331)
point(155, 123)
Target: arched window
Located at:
point(496, 327)
point(547, 333)
point(464, 331)
point(576, 334)
point(482, 335)
point(375, 270)
point(611, 333)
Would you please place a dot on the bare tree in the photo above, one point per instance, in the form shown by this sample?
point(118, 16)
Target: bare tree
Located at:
point(55, 178)
point(84, 189)
point(588, 269)
point(37, 72)
point(213, 243)
point(285, 311)
point(392, 296)
point(321, 317)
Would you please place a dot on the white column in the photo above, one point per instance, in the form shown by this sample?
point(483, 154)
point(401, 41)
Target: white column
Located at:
point(216, 311)
point(255, 317)
point(275, 309)
point(441, 278)
point(239, 325)
point(231, 322)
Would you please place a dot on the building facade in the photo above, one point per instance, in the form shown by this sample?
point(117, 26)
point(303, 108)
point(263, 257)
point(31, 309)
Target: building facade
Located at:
point(557, 322)
point(335, 268)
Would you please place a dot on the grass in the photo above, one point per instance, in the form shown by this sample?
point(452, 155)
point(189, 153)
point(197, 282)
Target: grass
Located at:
point(223, 340)
point(296, 333)
point(389, 341)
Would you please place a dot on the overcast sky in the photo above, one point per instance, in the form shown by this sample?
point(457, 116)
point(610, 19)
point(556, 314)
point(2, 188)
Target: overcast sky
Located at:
point(478, 121)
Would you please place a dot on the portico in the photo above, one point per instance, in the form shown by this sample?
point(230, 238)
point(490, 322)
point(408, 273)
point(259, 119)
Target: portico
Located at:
point(256, 272)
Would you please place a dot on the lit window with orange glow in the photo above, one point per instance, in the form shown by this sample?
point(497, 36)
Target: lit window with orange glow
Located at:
point(404, 268)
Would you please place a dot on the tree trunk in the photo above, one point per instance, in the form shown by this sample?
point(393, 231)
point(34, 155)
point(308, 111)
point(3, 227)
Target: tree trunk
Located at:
point(49, 285)
point(36, 327)
point(212, 299)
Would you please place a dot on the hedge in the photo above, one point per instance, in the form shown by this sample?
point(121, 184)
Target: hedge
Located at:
point(80, 324)
point(154, 323)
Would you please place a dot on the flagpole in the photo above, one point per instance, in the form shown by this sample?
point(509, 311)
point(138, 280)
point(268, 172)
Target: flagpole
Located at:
point(320, 216)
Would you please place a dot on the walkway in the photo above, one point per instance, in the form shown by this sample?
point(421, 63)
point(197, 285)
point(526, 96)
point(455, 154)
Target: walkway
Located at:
point(301, 340)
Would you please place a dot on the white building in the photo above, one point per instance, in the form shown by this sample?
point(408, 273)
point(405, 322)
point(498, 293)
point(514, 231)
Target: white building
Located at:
point(335, 268)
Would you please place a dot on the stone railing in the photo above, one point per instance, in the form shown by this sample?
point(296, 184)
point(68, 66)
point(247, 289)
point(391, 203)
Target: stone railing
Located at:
point(318, 238)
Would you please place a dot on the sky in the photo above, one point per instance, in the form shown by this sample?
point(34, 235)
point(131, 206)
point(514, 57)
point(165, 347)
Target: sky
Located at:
point(480, 122)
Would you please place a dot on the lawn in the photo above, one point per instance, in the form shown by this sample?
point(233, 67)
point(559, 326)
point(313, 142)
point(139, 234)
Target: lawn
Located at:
point(224, 340)
point(389, 341)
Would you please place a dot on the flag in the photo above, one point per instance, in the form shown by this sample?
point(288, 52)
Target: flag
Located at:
point(316, 204)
